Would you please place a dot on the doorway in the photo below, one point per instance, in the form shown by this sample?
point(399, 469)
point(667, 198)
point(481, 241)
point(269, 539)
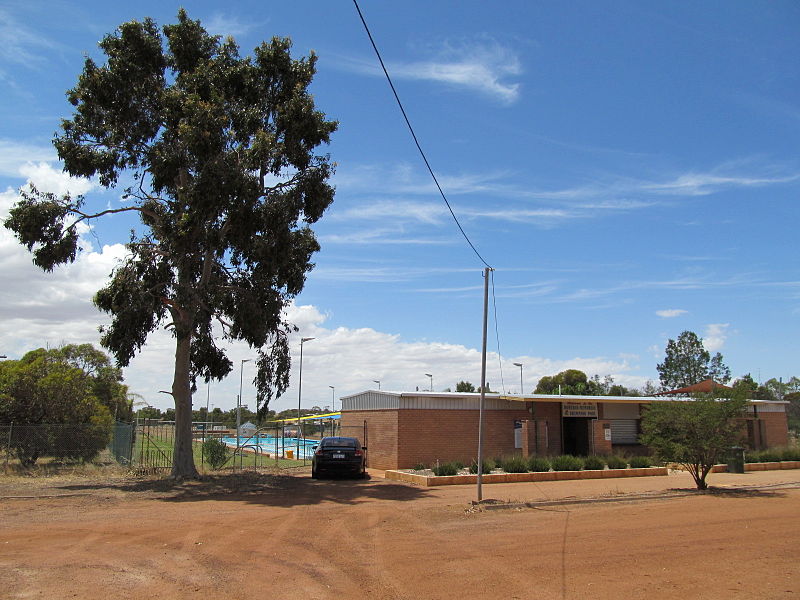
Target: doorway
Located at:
point(576, 435)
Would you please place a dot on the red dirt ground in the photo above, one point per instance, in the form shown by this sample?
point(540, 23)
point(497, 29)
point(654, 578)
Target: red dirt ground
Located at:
point(281, 537)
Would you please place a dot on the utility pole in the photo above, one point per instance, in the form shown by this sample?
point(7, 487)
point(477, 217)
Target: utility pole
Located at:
point(483, 380)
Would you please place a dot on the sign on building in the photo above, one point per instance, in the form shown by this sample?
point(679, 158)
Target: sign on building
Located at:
point(579, 409)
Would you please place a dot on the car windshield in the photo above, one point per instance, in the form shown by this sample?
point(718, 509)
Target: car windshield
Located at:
point(340, 443)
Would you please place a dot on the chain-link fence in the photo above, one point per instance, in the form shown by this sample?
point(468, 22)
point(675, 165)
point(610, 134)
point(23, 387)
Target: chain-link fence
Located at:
point(26, 446)
point(148, 446)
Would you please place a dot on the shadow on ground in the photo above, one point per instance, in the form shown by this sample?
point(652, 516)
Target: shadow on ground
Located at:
point(259, 488)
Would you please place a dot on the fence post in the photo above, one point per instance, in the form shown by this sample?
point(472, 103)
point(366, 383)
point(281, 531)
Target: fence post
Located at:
point(8, 447)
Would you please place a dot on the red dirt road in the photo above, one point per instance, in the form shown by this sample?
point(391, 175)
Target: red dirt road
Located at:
point(282, 537)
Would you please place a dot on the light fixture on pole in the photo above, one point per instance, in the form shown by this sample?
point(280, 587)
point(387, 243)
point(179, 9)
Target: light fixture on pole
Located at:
point(431, 376)
point(521, 391)
point(300, 391)
point(333, 398)
point(378, 381)
point(239, 408)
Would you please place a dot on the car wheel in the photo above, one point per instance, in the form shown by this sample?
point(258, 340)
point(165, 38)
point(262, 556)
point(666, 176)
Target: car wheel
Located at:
point(314, 474)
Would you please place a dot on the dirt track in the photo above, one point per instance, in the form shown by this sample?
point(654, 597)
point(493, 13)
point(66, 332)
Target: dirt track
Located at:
point(282, 537)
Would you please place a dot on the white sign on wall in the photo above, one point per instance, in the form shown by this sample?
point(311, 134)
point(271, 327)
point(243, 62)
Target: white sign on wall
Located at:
point(579, 409)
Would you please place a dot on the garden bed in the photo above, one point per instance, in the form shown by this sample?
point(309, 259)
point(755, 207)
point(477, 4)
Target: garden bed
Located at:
point(434, 480)
point(764, 466)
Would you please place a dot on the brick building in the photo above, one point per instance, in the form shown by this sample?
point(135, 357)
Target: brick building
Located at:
point(404, 429)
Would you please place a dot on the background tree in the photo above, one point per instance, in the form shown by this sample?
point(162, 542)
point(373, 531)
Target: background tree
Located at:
point(465, 386)
point(695, 433)
point(688, 362)
point(573, 382)
point(221, 152)
point(44, 389)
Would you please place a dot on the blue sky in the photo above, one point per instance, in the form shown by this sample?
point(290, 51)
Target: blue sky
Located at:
point(630, 169)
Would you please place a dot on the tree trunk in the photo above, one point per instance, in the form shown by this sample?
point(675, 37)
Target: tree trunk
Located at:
point(183, 458)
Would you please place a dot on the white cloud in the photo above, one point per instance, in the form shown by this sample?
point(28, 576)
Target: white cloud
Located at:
point(21, 45)
point(484, 66)
point(715, 336)
point(14, 156)
point(48, 179)
point(671, 313)
point(228, 25)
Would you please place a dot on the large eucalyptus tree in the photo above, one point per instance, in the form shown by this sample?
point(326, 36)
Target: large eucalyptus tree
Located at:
point(221, 152)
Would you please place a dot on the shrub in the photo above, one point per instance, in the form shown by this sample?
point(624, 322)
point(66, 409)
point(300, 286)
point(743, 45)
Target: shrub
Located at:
point(594, 463)
point(444, 469)
point(616, 462)
point(487, 466)
point(567, 462)
point(641, 462)
point(514, 464)
point(216, 452)
point(420, 467)
point(459, 465)
point(538, 464)
point(790, 453)
point(769, 456)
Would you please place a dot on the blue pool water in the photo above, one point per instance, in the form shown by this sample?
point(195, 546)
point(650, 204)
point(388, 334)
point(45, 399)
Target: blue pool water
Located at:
point(273, 445)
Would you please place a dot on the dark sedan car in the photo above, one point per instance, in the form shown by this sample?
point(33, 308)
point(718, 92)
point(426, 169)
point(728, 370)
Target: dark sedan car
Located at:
point(338, 455)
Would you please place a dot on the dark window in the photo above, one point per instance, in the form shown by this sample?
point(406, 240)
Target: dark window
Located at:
point(340, 443)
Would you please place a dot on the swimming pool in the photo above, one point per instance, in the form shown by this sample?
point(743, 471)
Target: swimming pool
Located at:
point(275, 445)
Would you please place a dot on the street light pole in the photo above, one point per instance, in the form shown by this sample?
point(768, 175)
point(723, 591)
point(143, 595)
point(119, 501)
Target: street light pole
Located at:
point(431, 376)
point(300, 391)
point(239, 408)
point(333, 398)
point(521, 391)
point(378, 381)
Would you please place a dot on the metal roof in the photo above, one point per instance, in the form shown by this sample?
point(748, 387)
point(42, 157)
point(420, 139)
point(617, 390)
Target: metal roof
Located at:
point(541, 397)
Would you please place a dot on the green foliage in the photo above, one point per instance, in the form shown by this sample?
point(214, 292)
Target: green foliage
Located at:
point(216, 452)
point(594, 463)
point(567, 462)
point(465, 386)
point(515, 463)
point(45, 387)
point(641, 462)
point(771, 455)
point(688, 362)
point(221, 150)
point(487, 464)
point(790, 453)
point(445, 469)
point(695, 433)
point(420, 467)
point(538, 464)
point(615, 461)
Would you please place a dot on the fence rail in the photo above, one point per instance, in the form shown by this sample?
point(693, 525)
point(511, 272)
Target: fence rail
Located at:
point(147, 446)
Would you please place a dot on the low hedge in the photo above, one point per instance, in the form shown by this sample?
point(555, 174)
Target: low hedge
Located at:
point(594, 463)
point(538, 464)
point(615, 461)
point(567, 462)
point(641, 462)
point(448, 468)
point(514, 464)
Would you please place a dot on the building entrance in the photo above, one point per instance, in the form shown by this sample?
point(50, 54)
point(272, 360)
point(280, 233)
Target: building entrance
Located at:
point(576, 438)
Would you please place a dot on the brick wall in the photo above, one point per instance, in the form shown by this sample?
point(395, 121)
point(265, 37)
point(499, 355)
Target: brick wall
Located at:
point(447, 435)
point(601, 445)
point(549, 412)
point(777, 429)
point(382, 437)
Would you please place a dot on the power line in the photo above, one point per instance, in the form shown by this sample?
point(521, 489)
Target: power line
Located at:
point(497, 336)
point(414, 135)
